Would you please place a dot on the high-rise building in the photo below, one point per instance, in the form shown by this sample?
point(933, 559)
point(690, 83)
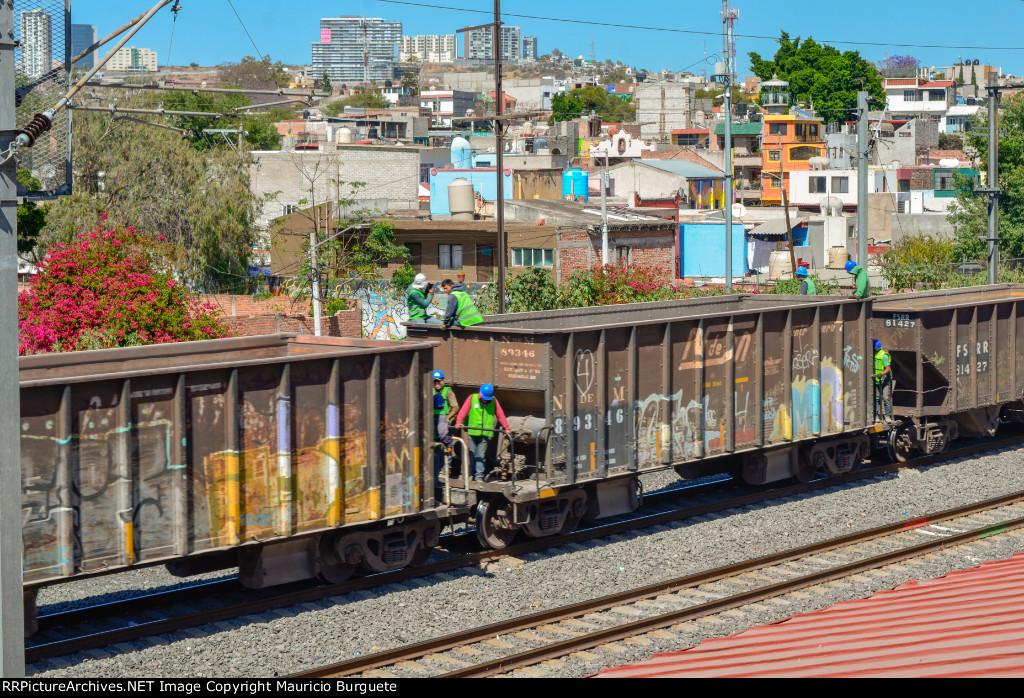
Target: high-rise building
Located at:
point(431, 48)
point(477, 44)
point(36, 43)
point(356, 49)
point(529, 48)
point(132, 60)
point(82, 37)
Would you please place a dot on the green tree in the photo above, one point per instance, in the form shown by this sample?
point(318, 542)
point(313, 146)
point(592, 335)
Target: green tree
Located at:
point(31, 217)
point(969, 212)
point(193, 64)
point(371, 99)
point(410, 79)
point(323, 83)
point(153, 178)
point(566, 106)
point(820, 74)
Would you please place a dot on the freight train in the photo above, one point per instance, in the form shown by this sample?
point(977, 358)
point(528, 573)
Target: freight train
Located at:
point(294, 457)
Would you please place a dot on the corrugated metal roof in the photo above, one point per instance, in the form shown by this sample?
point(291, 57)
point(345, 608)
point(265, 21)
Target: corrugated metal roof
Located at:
point(968, 623)
point(685, 168)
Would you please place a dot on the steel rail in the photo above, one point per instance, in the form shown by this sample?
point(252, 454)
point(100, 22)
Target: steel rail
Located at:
point(418, 650)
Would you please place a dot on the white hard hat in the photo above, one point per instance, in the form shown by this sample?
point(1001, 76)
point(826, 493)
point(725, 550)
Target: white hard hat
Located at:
point(420, 279)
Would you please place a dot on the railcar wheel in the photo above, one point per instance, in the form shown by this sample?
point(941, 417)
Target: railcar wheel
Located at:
point(421, 556)
point(333, 569)
point(807, 468)
point(901, 445)
point(492, 525)
point(574, 515)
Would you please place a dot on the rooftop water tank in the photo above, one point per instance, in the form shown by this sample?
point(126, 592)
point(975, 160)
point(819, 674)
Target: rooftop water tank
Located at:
point(461, 200)
point(462, 154)
point(949, 162)
point(574, 185)
point(344, 134)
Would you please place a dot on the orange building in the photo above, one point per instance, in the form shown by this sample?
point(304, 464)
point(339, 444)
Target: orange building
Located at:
point(790, 138)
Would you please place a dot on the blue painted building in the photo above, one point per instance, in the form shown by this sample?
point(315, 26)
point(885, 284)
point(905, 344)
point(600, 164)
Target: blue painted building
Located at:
point(483, 179)
point(702, 249)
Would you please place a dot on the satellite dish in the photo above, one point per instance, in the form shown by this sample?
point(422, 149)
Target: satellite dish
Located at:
point(739, 210)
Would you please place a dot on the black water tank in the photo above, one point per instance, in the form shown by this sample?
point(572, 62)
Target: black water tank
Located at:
point(305, 113)
point(741, 109)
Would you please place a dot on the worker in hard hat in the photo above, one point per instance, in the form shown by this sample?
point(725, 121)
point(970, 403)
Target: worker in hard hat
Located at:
point(446, 406)
point(883, 382)
point(419, 295)
point(860, 274)
point(481, 413)
point(807, 287)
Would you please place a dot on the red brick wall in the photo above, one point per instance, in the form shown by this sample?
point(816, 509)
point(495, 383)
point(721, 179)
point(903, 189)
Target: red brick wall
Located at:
point(577, 250)
point(247, 305)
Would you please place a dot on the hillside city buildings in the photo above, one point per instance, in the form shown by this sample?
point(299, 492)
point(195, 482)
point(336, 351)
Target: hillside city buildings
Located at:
point(356, 49)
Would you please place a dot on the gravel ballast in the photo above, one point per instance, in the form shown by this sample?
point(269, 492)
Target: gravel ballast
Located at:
point(288, 641)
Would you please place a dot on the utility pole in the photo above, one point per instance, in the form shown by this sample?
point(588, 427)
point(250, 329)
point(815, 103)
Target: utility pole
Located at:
point(499, 132)
point(862, 178)
point(785, 209)
point(992, 186)
point(727, 20)
point(605, 254)
point(12, 612)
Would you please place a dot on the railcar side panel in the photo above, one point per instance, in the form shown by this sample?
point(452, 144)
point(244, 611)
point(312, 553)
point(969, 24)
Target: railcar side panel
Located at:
point(150, 454)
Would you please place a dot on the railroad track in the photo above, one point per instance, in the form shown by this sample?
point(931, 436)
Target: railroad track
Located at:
point(165, 612)
point(548, 636)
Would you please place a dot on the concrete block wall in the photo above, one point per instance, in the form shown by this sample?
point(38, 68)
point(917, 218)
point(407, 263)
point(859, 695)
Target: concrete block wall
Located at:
point(245, 316)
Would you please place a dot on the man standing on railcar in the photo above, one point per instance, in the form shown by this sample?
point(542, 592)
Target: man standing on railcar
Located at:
point(860, 275)
point(461, 308)
point(480, 413)
point(419, 296)
point(446, 406)
point(883, 382)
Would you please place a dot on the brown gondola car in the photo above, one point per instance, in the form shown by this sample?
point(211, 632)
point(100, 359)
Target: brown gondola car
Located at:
point(762, 385)
point(288, 456)
point(956, 360)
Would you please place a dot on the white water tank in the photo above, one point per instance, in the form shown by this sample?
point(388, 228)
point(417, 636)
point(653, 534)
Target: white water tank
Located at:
point(949, 162)
point(344, 134)
point(461, 200)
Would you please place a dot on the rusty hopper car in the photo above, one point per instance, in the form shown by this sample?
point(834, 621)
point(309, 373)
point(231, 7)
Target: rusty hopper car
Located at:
point(770, 386)
point(956, 361)
point(288, 456)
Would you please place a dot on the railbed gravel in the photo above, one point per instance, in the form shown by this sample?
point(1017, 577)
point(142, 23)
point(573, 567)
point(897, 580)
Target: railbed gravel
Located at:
point(302, 638)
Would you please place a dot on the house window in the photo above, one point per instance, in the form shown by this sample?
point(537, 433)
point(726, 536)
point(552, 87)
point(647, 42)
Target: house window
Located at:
point(804, 152)
point(416, 253)
point(533, 257)
point(944, 182)
point(688, 139)
point(777, 129)
point(623, 255)
point(773, 155)
point(902, 185)
point(449, 256)
point(816, 185)
point(909, 95)
point(801, 130)
point(813, 130)
point(288, 209)
point(840, 185)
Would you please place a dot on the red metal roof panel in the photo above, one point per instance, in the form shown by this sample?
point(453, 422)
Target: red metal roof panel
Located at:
point(967, 623)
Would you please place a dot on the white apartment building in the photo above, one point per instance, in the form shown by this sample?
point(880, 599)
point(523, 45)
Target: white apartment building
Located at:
point(132, 59)
point(36, 43)
point(430, 48)
point(445, 104)
point(529, 48)
point(354, 49)
point(478, 44)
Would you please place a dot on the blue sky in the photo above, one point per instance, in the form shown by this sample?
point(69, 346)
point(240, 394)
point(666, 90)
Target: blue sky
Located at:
point(209, 33)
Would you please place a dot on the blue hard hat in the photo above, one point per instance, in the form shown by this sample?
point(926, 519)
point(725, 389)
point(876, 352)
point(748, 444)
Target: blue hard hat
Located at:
point(801, 271)
point(487, 391)
point(877, 344)
point(850, 265)
point(438, 376)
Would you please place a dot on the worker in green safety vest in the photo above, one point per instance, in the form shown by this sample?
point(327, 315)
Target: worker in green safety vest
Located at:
point(807, 287)
point(860, 274)
point(446, 406)
point(480, 414)
point(883, 382)
point(461, 309)
point(419, 295)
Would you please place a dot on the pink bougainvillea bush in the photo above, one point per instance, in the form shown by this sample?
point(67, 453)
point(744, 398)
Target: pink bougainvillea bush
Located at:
point(110, 288)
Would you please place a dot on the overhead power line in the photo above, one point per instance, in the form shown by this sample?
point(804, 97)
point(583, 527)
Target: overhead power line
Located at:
point(698, 32)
